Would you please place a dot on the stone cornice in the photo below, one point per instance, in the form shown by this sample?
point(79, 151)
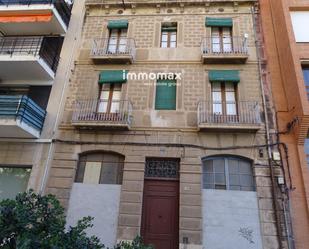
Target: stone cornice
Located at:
point(158, 3)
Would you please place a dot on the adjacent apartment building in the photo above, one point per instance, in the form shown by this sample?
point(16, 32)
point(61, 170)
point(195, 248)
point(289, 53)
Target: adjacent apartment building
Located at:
point(33, 69)
point(286, 43)
point(164, 130)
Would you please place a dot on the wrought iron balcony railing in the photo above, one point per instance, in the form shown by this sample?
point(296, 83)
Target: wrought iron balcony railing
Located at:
point(224, 45)
point(61, 6)
point(22, 108)
point(48, 48)
point(101, 112)
point(117, 48)
point(229, 113)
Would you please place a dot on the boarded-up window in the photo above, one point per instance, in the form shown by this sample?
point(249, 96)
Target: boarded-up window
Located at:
point(100, 168)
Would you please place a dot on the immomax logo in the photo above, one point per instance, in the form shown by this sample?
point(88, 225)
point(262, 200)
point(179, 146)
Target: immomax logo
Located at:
point(144, 76)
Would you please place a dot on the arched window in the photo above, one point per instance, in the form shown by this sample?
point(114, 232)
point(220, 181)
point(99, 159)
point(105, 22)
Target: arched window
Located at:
point(100, 168)
point(230, 173)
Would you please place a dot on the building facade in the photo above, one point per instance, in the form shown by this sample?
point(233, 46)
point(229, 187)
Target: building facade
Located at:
point(36, 45)
point(286, 46)
point(164, 130)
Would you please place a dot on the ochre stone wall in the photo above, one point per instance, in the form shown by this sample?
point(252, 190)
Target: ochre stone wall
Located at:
point(151, 126)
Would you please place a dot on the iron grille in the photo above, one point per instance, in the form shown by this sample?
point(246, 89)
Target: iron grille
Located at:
point(162, 168)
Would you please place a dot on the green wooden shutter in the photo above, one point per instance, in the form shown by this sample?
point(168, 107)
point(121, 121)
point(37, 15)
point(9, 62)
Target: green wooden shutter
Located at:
point(165, 95)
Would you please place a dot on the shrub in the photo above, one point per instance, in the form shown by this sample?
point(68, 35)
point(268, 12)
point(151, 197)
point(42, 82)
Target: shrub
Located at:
point(137, 243)
point(35, 221)
point(32, 221)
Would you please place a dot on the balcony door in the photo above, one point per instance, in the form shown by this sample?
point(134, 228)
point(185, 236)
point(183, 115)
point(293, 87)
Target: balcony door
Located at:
point(224, 102)
point(109, 99)
point(221, 39)
point(117, 42)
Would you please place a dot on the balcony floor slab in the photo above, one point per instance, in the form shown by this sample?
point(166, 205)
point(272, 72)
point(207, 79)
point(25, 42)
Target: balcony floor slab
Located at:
point(224, 59)
point(11, 128)
point(25, 68)
point(110, 59)
point(55, 26)
point(229, 127)
point(100, 126)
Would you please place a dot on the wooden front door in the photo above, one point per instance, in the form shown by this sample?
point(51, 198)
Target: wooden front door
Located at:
point(160, 219)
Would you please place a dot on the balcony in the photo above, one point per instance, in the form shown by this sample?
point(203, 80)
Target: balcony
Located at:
point(240, 116)
point(20, 117)
point(30, 17)
point(224, 50)
point(92, 114)
point(105, 51)
point(29, 58)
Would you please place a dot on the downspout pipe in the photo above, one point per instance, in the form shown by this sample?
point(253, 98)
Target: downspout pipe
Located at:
point(267, 134)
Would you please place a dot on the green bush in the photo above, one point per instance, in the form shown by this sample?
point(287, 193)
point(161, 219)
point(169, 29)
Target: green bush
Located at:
point(35, 221)
point(137, 243)
point(32, 221)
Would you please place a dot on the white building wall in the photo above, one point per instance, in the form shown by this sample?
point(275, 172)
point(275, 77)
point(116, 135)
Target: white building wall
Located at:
point(100, 201)
point(231, 220)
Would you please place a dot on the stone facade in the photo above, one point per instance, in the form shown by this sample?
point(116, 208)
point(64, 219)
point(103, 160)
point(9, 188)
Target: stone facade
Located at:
point(165, 134)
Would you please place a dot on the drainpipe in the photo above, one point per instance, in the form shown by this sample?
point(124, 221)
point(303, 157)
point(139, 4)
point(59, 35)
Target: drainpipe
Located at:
point(267, 135)
point(61, 102)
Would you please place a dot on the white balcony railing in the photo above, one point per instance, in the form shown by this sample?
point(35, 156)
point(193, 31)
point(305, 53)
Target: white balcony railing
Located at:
point(94, 111)
point(224, 45)
point(112, 48)
point(229, 113)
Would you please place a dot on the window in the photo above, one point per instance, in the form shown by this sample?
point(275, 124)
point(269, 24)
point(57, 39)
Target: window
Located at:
point(165, 95)
point(13, 180)
point(117, 42)
point(300, 20)
point(224, 98)
point(109, 99)
point(230, 173)
point(306, 77)
point(100, 168)
point(307, 150)
point(221, 39)
point(169, 35)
